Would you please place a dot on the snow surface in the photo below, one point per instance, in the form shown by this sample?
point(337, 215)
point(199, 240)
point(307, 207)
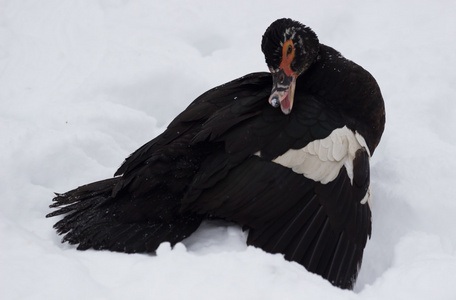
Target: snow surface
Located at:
point(85, 83)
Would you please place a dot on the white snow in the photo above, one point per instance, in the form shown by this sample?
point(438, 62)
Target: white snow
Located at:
point(85, 83)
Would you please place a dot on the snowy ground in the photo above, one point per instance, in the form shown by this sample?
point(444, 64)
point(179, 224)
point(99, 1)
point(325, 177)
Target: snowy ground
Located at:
point(84, 83)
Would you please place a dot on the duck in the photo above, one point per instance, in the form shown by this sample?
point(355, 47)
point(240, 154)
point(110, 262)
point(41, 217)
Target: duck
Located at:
point(285, 154)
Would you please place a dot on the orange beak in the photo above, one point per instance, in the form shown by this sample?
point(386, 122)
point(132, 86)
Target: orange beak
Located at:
point(284, 80)
point(283, 88)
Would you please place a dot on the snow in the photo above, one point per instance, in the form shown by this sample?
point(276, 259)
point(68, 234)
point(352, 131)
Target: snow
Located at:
point(85, 83)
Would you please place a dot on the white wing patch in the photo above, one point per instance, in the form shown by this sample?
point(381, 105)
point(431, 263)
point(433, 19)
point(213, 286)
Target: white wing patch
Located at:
point(321, 160)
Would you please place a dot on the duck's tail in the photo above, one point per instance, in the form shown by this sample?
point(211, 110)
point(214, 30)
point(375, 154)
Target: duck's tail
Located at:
point(96, 217)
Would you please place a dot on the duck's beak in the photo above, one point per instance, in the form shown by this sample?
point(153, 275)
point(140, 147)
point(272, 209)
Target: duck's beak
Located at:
point(283, 88)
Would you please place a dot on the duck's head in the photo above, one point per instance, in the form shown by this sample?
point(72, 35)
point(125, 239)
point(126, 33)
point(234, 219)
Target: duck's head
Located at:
point(289, 48)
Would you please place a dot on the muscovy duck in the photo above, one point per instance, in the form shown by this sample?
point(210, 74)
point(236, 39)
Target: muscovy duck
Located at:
point(297, 178)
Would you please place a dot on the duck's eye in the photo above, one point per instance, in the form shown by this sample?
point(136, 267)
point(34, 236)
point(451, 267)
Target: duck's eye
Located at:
point(289, 49)
point(281, 78)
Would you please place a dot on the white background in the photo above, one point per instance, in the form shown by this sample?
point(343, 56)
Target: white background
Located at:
point(85, 83)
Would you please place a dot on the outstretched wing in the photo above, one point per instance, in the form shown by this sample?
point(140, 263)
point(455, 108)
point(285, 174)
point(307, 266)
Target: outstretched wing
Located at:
point(319, 221)
point(157, 175)
point(140, 208)
point(247, 92)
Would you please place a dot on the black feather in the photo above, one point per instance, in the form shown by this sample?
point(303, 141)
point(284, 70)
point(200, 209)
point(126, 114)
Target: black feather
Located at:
point(216, 160)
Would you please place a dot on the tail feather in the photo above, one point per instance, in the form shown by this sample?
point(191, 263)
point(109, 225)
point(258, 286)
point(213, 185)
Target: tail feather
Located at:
point(82, 196)
point(92, 220)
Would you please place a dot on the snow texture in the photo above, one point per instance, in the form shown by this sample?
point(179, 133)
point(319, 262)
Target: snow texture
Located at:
point(85, 83)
